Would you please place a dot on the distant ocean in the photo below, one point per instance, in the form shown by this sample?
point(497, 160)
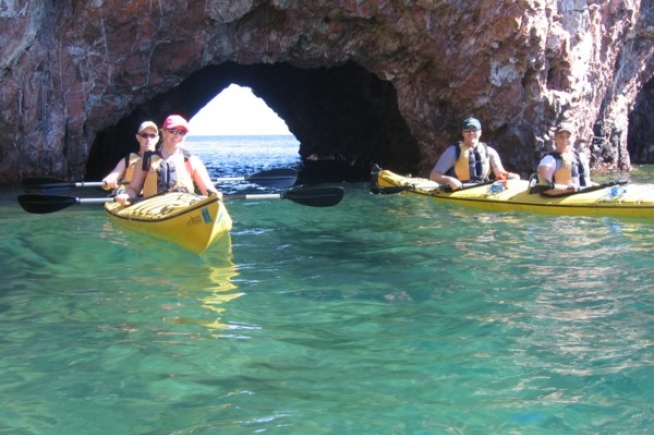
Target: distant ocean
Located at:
point(227, 156)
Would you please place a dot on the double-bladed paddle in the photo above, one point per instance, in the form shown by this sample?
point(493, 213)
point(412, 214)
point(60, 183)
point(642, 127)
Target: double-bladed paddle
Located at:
point(274, 178)
point(426, 185)
point(310, 196)
point(541, 188)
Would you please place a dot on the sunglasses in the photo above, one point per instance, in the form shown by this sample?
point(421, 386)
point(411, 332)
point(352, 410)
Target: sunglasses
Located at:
point(179, 132)
point(148, 135)
point(470, 130)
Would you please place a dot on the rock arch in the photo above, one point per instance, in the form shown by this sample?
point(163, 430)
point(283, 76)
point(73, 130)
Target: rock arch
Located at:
point(74, 72)
point(344, 116)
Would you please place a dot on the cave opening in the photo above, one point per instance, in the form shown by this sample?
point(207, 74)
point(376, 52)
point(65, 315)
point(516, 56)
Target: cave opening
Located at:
point(345, 118)
point(640, 138)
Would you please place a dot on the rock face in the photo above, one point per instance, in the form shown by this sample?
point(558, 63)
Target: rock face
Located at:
point(387, 81)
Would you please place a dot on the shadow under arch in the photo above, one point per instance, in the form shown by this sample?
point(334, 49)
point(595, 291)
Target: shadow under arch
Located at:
point(641, 130)
point(343, 116)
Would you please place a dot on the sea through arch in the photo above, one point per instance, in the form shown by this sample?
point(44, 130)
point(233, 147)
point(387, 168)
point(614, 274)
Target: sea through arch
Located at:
point(236, 133)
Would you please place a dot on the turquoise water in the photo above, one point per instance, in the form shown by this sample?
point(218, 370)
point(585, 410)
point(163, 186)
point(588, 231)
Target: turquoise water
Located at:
point(382, 315)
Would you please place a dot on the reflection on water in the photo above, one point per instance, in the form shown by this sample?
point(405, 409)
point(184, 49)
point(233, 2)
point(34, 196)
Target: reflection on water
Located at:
point(213, 289)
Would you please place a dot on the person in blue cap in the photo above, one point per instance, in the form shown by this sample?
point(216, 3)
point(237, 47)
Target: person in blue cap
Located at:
point(469, 160)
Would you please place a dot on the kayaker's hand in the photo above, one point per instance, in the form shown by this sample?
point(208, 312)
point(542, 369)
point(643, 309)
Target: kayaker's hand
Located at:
point(513, 176)
point(454, 184)
point(110, 183)
point(215, 192)
point(123, 199)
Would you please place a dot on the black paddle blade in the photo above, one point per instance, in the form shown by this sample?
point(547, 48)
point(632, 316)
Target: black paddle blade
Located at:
point(613, 183)
point(275, 178)
point(52, 185)
point(41, 204)
point(37, 183)
point(389, 190)
point(315, 196)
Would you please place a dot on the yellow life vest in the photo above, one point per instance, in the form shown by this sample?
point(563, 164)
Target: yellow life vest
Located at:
point(568, 167)
point(172, 175)
point(130, 163)
point(471, 164)
point(564, 172)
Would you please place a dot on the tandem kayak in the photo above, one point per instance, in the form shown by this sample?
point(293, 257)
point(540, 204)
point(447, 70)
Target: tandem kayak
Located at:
point(609, 199)
point(191, 221)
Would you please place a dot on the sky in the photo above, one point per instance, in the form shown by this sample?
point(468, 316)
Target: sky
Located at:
point(237, 111)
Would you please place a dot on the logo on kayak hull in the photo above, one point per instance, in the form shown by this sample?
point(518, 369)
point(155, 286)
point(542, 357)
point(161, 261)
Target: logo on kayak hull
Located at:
point(206, 215)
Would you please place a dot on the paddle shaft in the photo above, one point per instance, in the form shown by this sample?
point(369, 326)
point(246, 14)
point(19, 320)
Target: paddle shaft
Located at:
point(255, 196)
point(275, 178)
point(313, 197)
point(55, 183)
point(428, 185)
point(310, 196)
point(93, 200)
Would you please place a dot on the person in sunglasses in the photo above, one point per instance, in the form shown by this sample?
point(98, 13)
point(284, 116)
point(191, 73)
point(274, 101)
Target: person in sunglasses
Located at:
point(147, 137)
point(170, 168)
point(469, 160)
point(564, 170)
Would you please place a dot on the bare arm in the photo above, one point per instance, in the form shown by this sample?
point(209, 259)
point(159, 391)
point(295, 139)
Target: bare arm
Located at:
point(445, 162)
point(546, 172)
point(111, 180)
point(201, 177)
point(453, 182)
point(498, 168)
point(135, 186)
point(586, 165)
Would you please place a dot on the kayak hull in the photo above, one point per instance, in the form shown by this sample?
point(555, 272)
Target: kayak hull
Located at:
point(632, 200)
point(191, 221)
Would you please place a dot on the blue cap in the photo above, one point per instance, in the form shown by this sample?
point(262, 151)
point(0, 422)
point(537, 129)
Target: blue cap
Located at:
point(471, 123)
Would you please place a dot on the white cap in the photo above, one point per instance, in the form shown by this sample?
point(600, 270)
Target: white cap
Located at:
point(148, 124)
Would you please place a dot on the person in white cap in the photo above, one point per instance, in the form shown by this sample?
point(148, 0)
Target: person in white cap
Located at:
point(564, 170)
point(170, 168)
point(147, 137)
point(469, 160)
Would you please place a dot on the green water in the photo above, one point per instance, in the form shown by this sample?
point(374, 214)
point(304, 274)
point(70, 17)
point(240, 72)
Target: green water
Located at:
point(383, 315)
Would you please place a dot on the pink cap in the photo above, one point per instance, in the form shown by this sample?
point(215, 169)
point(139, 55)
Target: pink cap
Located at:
point(175, 121)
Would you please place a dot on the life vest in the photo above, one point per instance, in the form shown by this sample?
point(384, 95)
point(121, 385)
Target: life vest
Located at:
point(130, 163)
point(568, 167)
point(469, 165)
point(167, 176)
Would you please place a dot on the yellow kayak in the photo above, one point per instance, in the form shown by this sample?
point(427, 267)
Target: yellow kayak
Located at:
point(635, 200)
point(191, 221)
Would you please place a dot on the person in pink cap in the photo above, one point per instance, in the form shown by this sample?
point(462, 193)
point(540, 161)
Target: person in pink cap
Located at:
point(170, 168)
point(147, 137)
